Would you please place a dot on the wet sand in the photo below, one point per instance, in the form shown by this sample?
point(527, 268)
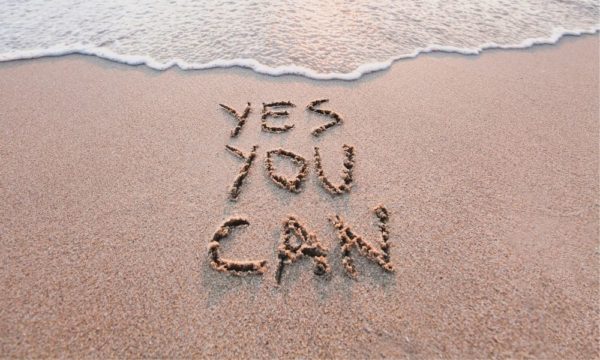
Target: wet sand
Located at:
point(115, 178)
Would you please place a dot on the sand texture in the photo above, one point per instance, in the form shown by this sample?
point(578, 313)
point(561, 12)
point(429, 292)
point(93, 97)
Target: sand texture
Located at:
point(116, 187)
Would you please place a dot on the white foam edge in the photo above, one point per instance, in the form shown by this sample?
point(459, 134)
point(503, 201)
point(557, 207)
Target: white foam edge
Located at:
point(107, 54)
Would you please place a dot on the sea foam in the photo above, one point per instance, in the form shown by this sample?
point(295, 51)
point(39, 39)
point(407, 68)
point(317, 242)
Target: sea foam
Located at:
point(312, 42)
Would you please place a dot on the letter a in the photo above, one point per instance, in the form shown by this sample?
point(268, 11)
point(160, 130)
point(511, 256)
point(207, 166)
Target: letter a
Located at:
point(307, 245)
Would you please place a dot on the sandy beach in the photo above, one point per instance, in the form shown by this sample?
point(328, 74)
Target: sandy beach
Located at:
point(114, 179)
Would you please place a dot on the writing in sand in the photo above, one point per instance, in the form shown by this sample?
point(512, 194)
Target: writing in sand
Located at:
point(296, 241)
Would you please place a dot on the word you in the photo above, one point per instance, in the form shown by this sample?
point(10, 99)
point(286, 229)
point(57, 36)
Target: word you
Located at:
point(292, 184)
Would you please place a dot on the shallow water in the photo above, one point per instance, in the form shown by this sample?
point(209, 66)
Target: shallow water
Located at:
point(337, 39)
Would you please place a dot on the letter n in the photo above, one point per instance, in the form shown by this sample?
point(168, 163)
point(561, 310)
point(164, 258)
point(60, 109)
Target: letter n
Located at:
point(350, 240)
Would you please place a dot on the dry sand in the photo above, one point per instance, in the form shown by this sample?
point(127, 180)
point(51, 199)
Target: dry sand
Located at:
point(114, 179)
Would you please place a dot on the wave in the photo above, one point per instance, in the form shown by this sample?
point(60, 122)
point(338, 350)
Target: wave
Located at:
point(257, 67)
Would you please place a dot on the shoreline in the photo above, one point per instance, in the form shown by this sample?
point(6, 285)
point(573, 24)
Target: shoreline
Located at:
point(115, 179)
point(559, 34)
